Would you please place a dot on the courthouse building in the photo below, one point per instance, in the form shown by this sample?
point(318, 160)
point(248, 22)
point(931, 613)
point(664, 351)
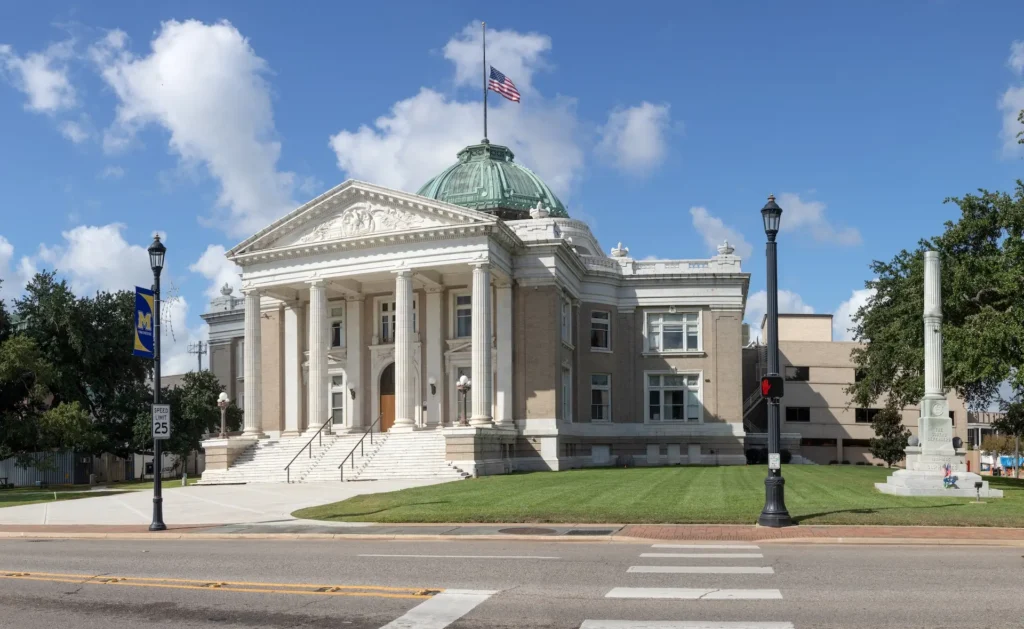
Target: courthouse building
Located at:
point(363, 308)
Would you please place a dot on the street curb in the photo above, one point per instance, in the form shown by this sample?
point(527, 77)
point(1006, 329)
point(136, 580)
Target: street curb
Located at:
point(879, 541)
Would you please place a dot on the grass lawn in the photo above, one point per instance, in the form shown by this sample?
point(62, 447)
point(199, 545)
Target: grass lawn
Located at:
point(683, 495)
point(30, 495)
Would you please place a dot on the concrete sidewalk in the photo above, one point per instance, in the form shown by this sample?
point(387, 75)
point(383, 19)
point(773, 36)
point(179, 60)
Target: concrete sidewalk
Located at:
point(614, 533)
point(199, 504)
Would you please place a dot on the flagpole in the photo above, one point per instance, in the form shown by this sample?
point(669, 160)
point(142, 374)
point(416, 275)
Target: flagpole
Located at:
point(483, 26)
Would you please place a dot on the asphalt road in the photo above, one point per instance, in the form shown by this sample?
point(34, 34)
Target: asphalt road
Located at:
point(460, 584)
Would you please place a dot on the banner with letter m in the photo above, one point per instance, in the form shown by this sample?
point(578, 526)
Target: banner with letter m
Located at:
point(144, 299)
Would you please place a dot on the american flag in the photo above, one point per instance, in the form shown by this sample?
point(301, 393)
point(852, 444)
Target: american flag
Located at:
point(503, 85)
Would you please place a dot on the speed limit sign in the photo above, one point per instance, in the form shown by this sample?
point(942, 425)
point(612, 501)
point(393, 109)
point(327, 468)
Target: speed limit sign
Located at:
point(161, 421)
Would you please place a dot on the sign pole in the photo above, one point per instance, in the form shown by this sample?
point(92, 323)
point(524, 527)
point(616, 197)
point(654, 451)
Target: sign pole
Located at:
point(158, 498)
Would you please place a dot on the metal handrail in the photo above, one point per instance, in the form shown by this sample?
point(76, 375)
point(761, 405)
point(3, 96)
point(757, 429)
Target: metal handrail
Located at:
point(368, 431)
point(309, 444)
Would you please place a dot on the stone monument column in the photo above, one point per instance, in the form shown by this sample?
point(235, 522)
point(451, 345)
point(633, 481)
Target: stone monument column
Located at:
point(935, 426)
point(481, 366)
point(253, 382)
point(404, 394)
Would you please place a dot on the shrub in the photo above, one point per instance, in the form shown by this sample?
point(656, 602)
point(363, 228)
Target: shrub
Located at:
point(786, 456)
point(846, 462)
point(861, 463)
point(833, 462)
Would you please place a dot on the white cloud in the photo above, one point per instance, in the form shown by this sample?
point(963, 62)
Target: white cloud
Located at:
point(112, 172)
point(634, 138)
point(42, 76)
point(205, 85)
point(214, 266)
point(74, 131)
point(757, 306)
point(421, 135)
point(810, 215)
point(1016, 60)
point(516, 55)
point(842, 319)
point(715, 232)
point(7, 291)
point(1012, 102)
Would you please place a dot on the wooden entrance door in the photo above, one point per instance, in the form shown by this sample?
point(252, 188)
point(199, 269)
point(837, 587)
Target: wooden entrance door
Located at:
point(387, 398)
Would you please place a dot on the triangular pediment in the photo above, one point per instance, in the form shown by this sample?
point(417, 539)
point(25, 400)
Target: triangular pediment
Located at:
point(356, 210)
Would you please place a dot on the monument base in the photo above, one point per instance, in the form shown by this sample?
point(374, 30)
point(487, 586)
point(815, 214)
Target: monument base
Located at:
point(924, 477)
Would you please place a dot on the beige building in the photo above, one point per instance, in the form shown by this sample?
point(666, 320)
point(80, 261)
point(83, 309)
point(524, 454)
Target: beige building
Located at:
point(819, 421)
point(364, 308)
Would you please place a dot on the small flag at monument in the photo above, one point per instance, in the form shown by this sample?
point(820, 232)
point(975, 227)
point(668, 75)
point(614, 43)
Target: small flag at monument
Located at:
point(503, 85)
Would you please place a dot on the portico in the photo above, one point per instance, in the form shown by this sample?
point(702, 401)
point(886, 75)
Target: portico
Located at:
point(348, 307)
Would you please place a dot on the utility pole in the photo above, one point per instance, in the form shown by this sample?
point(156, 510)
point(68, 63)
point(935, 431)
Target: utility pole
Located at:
point(199, 349)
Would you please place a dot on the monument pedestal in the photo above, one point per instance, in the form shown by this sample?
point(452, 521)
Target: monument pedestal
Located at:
point(924, 477)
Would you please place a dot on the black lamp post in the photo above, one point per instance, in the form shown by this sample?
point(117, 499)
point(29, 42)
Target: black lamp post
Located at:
point(157, 250)
point(463, 386)
point(774, 513)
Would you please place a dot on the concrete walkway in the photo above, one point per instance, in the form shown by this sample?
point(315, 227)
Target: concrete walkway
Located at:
point(199, 504)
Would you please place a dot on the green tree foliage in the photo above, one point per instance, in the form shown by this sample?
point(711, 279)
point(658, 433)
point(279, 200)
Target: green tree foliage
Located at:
point(194, 413)
point(997, 445)
point(891, 436)
point(982, 256)
point(87, 341)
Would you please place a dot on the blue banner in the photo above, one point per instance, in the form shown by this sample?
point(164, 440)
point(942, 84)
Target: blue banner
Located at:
point(144, 299)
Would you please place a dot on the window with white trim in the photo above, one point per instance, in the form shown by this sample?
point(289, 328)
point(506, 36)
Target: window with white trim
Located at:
point(600, 329)
point(386, 318)
point(337, 319)
point(463, 305)
point(567, 394)
point(600, 397)
point(673, 397)
point(673, 332)
point(566, 320)
point(240, 358)
point(337, 400)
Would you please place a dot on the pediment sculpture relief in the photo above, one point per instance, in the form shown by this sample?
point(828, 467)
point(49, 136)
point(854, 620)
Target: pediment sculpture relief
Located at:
point(364, 218)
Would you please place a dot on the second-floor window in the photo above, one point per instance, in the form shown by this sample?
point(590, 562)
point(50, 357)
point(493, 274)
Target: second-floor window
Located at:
point(673, 332)
point(798, 374)
point(566, 321)
point(798, 414)
point(463, 316)
point(600, 330)
point(388, 319)
point(865, 415)
point(337, 326)
point(600, 397)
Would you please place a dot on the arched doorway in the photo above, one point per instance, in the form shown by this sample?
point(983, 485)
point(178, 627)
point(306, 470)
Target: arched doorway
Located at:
point(387, 397)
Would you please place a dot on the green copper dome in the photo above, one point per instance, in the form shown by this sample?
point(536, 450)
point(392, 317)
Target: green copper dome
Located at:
point(486, 179)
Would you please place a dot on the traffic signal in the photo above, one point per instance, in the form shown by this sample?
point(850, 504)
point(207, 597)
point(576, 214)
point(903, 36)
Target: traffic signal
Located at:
point(771, 387)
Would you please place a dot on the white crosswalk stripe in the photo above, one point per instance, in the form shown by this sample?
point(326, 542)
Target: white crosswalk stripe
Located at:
point(693, 594)
point(703, 569)
point(441, 610)
point(709, 546)
point(705, 555)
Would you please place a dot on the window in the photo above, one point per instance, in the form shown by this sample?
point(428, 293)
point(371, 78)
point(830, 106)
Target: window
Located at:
point(240, 357)
point(337, 326)
point(798, 414)
point(818, 443)
point(673, 397)
point(856, 443)
point(337, 401)
point(241, 400)
point(866, 415)
point(858, 375)
point(600, 397)
point(566, 394)
point(463, 316)
point(668, 332)
point(798, 374)
point(952, 417)
point(387, 318)
point(600, 330)
point(566, 321)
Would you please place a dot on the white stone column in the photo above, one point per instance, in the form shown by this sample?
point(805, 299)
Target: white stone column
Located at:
point(354, 353)
point(405, 414)
point(435, 356)
point(503, 394)
point(318, 345)
point(932, 326)
point(481, 368)
point(294, 316)
point(253, 416)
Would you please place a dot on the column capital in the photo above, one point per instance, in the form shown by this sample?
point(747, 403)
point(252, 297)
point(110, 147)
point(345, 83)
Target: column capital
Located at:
point(254, 292)
point(403, 272)
point(318, 282)
point(483, 265)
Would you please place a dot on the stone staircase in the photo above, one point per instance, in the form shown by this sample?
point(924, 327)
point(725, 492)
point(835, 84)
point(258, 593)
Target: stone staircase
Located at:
point(407, 455)
point(326, 469)
point(264, 461)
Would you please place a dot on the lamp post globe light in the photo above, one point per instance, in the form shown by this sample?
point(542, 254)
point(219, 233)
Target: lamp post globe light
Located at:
point(774, 513)
point(463, 386)
point(222, 404)
point(157, 251)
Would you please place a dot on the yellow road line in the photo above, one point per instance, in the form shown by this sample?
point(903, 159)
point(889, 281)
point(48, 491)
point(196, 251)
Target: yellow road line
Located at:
point(208, 585)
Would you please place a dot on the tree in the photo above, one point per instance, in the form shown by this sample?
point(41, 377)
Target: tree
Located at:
point(997, 445)
point(891, 436)
point(194, 414)
point(87, 340)
point(982, 256)
point(1011, 424)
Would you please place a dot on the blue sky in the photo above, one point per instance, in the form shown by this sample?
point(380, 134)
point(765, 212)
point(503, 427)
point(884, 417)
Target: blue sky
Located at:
point(665, 127)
